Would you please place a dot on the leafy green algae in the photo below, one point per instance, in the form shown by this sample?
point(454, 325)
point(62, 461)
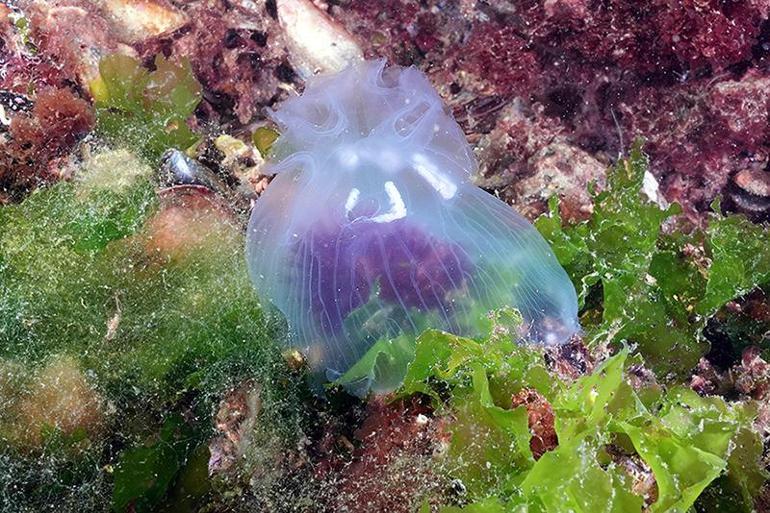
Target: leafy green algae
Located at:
point(650, 286)
point(142, 109)
point(740, 260)
point(637, 283)
point(688, 441)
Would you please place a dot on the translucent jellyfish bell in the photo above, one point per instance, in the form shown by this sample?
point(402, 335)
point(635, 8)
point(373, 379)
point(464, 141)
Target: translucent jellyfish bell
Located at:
point(372, 228)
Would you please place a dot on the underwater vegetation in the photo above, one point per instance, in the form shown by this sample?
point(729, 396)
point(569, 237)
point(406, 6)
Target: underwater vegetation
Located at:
point(124, 314)
point(523, 440)
point(142, 316)
point(145, 110)
point(657, 287)
point(548, 93)
point(372, 230)
point(140, 372)
point(41, 136)
point(551, 91)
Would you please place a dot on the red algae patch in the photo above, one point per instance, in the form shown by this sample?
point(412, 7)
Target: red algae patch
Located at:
point(28, 156)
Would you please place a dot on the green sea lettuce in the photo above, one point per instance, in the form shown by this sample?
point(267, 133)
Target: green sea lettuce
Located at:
point(686, 440)
point(642, 284)
point(145, 110)
point(740, 260)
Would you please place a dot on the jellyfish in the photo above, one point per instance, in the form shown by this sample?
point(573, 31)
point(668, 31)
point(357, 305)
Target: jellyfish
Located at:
point(372, 228)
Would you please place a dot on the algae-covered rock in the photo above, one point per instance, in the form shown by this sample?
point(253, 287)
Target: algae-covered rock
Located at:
point(124, 316)
point(58, 400)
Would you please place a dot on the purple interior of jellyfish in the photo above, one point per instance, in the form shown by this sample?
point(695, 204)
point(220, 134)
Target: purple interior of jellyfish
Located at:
point(409, 268)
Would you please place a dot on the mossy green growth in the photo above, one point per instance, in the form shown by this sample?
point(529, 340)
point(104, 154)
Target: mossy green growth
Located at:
point(154, 306)
point(82, 275)
point(52, 293)
point(686, 440)
point(145, 473)
point(639, 284)
point(145, 110)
